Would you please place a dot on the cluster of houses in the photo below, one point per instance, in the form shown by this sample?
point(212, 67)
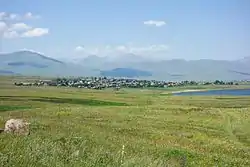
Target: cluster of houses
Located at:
point(117, 83)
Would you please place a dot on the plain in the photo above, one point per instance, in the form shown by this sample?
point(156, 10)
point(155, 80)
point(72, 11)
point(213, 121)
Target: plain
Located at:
point(80, 127)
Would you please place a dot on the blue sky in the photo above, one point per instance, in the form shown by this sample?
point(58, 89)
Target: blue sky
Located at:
point(165, 29)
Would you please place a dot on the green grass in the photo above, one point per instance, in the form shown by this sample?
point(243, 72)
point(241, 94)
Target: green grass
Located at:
point(11, 108)
point(89, 102)
point(78, 127)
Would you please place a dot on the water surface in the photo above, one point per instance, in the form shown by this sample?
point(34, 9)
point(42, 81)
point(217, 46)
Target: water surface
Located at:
point(224, 92)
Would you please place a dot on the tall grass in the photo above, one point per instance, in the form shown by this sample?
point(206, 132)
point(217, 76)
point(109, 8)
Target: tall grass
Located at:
point(77, 127)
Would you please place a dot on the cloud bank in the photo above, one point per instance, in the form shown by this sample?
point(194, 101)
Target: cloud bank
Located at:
point(12, 26)
point(108, 50)
point(156, 23)
point(17, 17)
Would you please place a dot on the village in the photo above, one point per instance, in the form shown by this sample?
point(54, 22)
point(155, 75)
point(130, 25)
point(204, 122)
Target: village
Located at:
point(116, 83)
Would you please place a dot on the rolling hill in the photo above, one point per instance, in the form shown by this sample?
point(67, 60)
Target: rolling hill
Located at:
point(29, 63)
point(36, 64)
point(125, 72)
point(178, 69)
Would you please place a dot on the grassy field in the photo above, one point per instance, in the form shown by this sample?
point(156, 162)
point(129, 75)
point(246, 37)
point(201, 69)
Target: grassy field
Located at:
point(78, 127)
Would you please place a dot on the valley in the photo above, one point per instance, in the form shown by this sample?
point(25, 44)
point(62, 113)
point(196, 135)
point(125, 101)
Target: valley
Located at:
point(84, 127)
point(29, 63)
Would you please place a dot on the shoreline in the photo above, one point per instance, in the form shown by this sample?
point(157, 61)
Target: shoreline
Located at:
point(189, 90)
point(203, 90)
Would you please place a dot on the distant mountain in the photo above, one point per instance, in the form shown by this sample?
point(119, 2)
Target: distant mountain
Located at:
point(4, 72)
point(175, 69)
point(126, 58)
point(125, 72)
point(242, 73)
point(26, 55)
point(27, 64)
point(246, 60)
point(126, 65)
point(32, 63)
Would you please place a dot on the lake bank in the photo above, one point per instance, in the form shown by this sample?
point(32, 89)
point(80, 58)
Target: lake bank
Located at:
point(215, 92)
point(189, 90)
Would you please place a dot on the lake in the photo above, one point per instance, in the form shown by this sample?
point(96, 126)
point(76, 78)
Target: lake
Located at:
point(224, 92)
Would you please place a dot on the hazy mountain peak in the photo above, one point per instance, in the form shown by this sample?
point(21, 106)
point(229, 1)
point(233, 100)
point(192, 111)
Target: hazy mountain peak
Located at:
point(247, 58)
point(28, 62)
point(30, 51)
point(126, 72)
point(29, 54)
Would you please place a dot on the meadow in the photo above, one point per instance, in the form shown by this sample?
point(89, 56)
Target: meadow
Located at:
point(144, 128)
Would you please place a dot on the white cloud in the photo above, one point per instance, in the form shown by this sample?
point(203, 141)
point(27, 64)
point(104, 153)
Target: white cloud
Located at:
point(35, 32)
point(10, 34)
point(79, 48)
point(23, 31)
point(122, 48)
point(19, 27)
point(108, 50)
point(3, 27)
point(151, 48)
point(20, 30)
point(29, 15)
point(2, 15)
point(14, 17)
point(11, 27)
point(154, 23)
point(30, 50)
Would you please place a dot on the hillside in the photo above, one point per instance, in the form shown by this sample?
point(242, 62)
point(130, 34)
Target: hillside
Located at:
point(32, 63)
point(26, 56)
point(72, 127)
point(5, 72)
point(125, 72)
point(177, 69)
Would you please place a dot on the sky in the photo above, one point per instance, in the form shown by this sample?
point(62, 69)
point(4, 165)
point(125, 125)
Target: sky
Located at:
point(159, 29)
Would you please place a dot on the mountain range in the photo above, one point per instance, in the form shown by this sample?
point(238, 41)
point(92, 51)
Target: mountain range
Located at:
point(128, 65)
